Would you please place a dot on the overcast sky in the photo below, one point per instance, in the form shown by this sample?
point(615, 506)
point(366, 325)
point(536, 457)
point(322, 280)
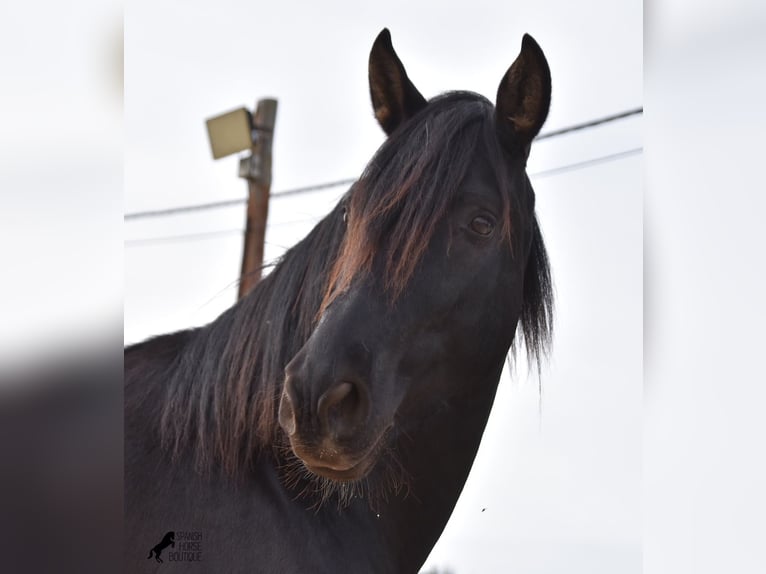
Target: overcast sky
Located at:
point(553, 490)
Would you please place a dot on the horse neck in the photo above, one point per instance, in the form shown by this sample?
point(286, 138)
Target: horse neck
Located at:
point(438, 456)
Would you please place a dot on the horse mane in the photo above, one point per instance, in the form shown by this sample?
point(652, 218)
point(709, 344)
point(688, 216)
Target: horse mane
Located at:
point(222, 393)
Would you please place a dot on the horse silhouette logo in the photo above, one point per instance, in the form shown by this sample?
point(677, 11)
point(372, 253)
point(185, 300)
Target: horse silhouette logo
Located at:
point(168, 540)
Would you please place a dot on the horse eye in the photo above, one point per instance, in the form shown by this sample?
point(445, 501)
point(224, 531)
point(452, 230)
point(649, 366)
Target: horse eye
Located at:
point(482, 225)
point(345, 214)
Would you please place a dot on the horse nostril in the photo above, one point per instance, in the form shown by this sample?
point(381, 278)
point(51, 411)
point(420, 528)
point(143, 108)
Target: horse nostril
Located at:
point(341, 409)
point(287, 413)
point(336, 395)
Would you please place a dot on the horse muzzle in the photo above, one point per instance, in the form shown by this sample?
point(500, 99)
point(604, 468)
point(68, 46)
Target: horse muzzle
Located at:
point(331, 436)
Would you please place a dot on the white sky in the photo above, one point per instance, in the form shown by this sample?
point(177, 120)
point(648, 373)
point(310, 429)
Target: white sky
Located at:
point(562, 489)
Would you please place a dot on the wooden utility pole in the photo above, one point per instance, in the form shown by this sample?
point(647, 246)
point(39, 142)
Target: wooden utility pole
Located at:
point(256, 169)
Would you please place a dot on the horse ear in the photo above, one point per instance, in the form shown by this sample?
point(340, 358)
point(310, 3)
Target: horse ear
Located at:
point(394, 97)
point(524, 95)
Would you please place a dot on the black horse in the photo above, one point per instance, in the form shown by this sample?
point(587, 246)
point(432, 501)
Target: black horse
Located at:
point(167, 540)
point(328, 421)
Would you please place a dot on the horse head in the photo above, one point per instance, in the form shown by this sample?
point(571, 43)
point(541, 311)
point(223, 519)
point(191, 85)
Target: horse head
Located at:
point(440, 261)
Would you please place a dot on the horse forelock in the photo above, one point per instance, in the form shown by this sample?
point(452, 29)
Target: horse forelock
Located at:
point(408, 186)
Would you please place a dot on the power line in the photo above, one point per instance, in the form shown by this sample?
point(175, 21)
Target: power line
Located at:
point(312, 188)
point(185, 237)
point(192, 237)
point(586, 163)
point(591, 124)
point(544, 173)
point(214, 234)
point(183, 209)
point(231, 202)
